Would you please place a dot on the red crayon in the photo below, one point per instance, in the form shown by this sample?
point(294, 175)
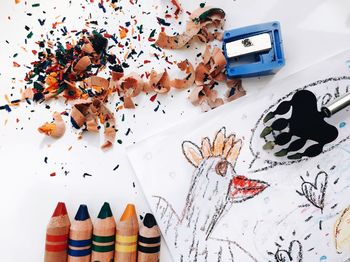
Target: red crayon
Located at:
point(57, 235)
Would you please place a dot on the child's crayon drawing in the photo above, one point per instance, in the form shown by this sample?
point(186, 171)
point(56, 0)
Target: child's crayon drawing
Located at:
point(342, 231)
point(293, 253)
point(315, 192)
point(243, 203)
point(214, 189)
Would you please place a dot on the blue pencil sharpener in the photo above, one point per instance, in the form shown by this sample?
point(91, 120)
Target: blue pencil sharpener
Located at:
point(255, 50)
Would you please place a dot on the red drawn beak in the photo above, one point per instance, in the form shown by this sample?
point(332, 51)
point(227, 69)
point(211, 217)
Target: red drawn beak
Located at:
point(243, 188)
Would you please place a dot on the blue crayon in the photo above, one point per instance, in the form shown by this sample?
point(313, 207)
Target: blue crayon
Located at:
point(79, 243)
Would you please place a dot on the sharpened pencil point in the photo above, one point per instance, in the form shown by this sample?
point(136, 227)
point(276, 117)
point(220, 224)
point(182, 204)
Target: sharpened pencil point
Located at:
point(60, 210)
point(82, 213)
point(149, 221)
point(105, 211)
point(128, 212)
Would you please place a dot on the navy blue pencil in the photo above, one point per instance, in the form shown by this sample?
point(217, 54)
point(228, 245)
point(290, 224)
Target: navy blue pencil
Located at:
point(79, 243)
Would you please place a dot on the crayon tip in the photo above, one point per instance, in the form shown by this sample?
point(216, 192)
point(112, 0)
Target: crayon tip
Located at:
point(60, 210)
point(82, 213)
point(149, 221)
point(128, 212)
point(105, 211)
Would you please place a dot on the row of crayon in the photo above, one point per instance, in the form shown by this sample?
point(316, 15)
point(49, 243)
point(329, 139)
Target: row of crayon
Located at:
point(105, 241)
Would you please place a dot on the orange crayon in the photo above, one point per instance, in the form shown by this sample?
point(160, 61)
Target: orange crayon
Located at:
point(126, 237)
point(103, 236)
point(57, 235)
point(79, 243)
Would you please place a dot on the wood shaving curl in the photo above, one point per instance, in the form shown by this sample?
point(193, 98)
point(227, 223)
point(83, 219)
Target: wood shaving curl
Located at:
point(158, 82)
point(197, 26)
point(207, 74)
point(55, 129)
point(91, 114)
point(131, 85)
point(188, 81)
point(82, 64)
point(27, 94)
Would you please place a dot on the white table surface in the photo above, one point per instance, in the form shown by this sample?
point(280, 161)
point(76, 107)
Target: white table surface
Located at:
point(312, 30)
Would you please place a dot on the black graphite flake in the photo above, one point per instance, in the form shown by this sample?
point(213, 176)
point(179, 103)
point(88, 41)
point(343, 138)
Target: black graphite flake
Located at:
point(99, 43)
point(161, 21)
point(125, 65)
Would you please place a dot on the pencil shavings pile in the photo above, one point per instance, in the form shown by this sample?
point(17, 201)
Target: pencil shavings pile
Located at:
point(70, 71)
point(212, 69)
point(131, 85)
point(89, 114)
point(208, 73)
point(197, 26)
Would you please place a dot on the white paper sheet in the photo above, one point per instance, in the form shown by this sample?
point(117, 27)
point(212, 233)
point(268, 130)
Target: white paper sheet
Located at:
point(292, 208)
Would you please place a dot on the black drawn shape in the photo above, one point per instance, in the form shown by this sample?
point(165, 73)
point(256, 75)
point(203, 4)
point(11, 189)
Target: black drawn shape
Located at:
point(315, 192)
point(293, 254)
point(332, 93)
point(306, 123)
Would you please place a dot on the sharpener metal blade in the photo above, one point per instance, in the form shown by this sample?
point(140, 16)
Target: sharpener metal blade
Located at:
point(249, 45)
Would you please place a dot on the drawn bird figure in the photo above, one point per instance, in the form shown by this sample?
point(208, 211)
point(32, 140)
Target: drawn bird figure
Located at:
point(214, 187)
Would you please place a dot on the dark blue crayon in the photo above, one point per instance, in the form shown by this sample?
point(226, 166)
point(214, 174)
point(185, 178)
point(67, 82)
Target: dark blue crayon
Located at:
point(79, 243)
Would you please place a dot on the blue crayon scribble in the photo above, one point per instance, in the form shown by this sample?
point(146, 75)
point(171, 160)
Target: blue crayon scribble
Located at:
point(342, 124)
